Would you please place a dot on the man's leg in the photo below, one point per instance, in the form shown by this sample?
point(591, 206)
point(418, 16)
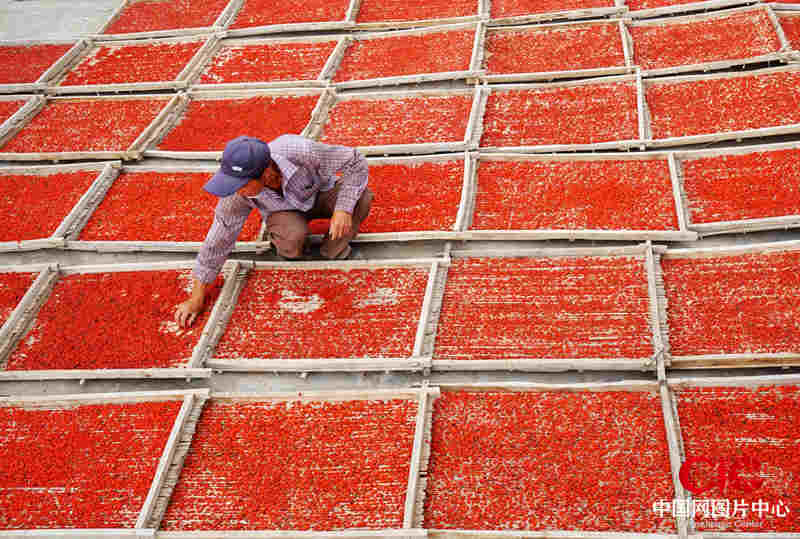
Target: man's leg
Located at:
point(323, 209)
point(287, 230)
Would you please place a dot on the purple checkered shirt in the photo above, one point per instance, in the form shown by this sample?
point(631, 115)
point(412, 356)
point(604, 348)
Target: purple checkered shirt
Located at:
point(307, 168)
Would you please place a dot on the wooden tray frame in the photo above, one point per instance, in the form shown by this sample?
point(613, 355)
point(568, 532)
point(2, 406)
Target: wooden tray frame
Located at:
point(743, 225)
point(481, 13)
point(683, 233)
point(469, 142)
point(25, 305)
point(739, 360)
point(554, 364)
point(775, 56)
point(221, 22)
point(51, 72)
point(228, 300)
point(193, 400)
point(76, 218)
point(237, 5)
point(345, 534)
point(133, 152)
point(71, 241)
point(23, 317)
point(416, 481)
point(618, 10)
point(471, 73)
point(106, 533)
point(553, 148)
point(673, 383)
point(566, 74)
point(779, 12)
point(778, 6)
point(182, 101)
point(320, 82)
point(646, 386)
point(457, 231)
point(180, 82)
point(12, 125)
point(725, 135)
point(706, 5)
point(546, 534)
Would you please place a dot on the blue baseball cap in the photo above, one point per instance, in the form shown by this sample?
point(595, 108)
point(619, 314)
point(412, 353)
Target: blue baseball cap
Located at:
point(244, 159)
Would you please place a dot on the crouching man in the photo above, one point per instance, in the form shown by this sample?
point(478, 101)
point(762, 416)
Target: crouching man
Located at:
point(290, 181)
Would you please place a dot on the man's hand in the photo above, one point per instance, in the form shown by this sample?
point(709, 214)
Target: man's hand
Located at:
point(186, 312)
point(341, 224)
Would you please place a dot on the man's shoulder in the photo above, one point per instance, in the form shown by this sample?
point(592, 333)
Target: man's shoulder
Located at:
point(289, 143)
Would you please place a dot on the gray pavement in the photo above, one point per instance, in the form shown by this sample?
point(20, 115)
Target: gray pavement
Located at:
point(53, 19)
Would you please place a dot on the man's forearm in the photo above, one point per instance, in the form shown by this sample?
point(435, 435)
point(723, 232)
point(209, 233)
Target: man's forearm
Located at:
point(229, 218)
point(198, 291)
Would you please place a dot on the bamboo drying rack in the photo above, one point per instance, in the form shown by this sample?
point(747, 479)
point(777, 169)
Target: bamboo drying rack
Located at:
point(780, 55)
point(469, 142)
point(415, 490)
point(456, 232)
point(719, 136)
point(182, 428)
point(133, 152)
point(669, 387)
point(575, 147)
point(221, 22)
point(654, 387)
point(650, 275)
point(216, 326)
point(471, 73)
point(625, 45)
point(178, 108)
point(481, 13)
point(707, 5)
point(742, 225)
point(737, 360)
point(180, 82)
point(683, 233)
point(24, 316)
point(617, 9)
point(321, 81)
point(71, 241)
point(51, 72)
point(77, 217)
point(312, 26)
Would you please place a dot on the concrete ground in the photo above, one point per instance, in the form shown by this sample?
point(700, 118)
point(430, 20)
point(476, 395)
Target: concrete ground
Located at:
point(53, 19)
point(68, 19)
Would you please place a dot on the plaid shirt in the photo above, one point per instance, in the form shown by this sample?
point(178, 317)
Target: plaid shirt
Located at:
point(307, 168)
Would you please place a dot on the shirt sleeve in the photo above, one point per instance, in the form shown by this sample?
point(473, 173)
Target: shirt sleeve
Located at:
point(229, 218)
point(330, 160)
point(355, 174)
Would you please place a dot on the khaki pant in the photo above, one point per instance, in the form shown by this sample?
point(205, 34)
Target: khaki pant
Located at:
point(287, 230)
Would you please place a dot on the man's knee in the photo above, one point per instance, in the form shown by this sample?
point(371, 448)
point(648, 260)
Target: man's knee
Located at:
point(289, 242)
point(288, 236)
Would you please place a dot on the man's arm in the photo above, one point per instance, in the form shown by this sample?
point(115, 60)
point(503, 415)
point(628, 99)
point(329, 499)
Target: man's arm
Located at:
point(229, 218)
point(353, 168)
point(330, 160)
point(355, 174)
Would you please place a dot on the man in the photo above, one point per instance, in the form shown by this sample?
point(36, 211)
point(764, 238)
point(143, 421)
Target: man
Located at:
point(289, 181)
